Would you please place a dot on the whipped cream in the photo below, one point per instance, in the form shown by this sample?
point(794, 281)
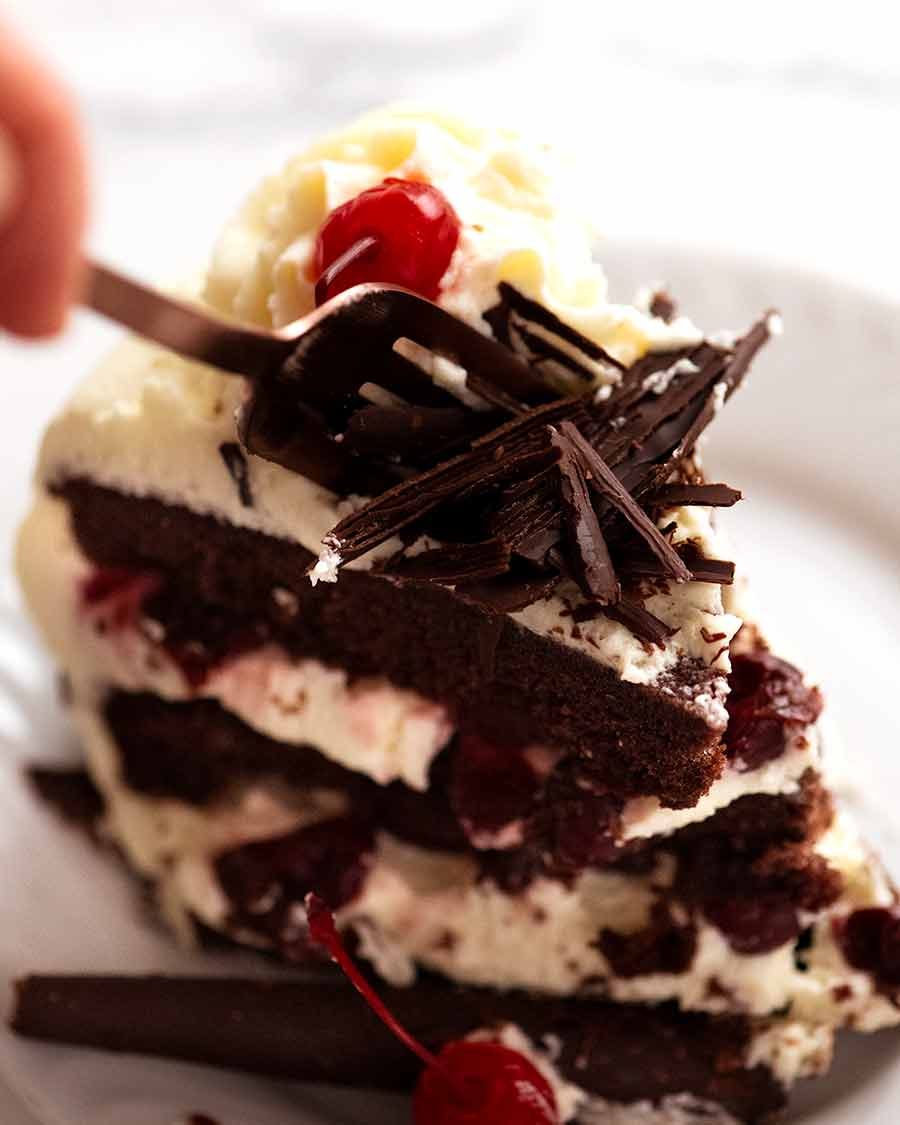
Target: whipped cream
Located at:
point(523, 221)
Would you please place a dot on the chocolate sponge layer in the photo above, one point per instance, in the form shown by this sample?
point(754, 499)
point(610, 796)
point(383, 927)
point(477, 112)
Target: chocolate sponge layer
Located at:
point(497, 679)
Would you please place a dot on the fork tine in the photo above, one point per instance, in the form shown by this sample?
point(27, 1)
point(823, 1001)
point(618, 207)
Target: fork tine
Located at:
point(352, 334)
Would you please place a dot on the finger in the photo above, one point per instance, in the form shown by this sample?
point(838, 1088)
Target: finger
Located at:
point(41, 236)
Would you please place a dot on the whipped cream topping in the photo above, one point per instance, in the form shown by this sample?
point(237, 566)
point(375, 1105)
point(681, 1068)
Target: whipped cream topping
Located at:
point(523, 221)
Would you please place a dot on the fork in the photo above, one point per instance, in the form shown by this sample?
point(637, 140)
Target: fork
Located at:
point(356, 331)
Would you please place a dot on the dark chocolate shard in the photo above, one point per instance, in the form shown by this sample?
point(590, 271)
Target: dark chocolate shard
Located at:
point(602, 479)
point(645, 625)
point(509, 593)
point(585, 547)
point(407, 433)
point(453, 562)
point(705, 495)
point(542, 351)
point(236, 464)
point(495, 395)
point(527, 512)
point(536, 313)
point(356, 252)
point(701, 569)
point(499, 456)
point(273, 425)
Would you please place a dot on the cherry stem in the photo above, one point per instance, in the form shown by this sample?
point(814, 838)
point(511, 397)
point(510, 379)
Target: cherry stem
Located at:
point(362, 248)
point(324, 933)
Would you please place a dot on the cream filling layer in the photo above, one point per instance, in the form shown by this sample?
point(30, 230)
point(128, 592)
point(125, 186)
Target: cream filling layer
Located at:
point(421, 907)
point(371, 727)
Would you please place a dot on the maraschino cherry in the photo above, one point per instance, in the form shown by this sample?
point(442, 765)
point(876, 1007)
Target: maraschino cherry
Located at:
point(401, 232)
point(468, 1082)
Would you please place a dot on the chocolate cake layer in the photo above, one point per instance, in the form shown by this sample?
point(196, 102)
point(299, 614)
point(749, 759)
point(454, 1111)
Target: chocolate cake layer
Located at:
point(315, 1028)
point(197, 752)
point(498, 679)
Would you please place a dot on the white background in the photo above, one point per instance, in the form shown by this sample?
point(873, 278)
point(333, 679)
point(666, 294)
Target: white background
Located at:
point(770, 128)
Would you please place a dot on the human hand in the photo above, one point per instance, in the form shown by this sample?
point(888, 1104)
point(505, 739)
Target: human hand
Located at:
point(42, 194)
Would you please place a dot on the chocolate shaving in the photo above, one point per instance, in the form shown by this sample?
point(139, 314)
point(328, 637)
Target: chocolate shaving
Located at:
point(663, 306)
point(356, 252)
point(509, 592)
point(703, 569)
point(501, 455)
point(543, 350)
point(705, 495)
point(536, 313)
point(645, 625)
point(602, 479)
point(586, 550)
point(406, 432)
point(700, 568)
point(453, 562)
point(236, 464)
point(493, 394)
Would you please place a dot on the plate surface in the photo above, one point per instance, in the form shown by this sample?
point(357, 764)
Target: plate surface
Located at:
point(813, 441)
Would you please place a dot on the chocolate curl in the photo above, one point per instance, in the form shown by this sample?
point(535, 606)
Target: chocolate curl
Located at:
point(586, 550)
point(602, 479)
point(705, 495)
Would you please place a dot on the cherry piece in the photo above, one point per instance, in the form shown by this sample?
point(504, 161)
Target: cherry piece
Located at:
point(870, 939)
point(754, 925)
point(491, 787)
point(401, 232)
point(467, 1083)
point(768, 701)
point(117, 594)
point(265, 880)
point(501, 1088)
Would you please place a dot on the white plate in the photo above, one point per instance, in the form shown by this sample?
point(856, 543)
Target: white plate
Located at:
point(814, 442)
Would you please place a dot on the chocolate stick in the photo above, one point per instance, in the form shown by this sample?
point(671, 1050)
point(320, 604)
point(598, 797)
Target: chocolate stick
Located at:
point(313, 1027)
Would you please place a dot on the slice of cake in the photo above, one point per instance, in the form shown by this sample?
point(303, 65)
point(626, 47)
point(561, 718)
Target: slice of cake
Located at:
point(468, 665)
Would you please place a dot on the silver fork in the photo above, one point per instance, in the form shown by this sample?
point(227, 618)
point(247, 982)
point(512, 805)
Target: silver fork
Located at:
point(358, 327)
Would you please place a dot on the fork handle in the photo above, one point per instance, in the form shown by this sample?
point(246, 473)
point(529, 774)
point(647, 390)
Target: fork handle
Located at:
point(182, 327)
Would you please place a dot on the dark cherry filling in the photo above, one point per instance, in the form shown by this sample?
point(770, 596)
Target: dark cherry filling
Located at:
point(401, 232)
point(665, 946)
point(870, 940)
point(466, 1083)
point(578, 821)
point(768, 703)
point(491, 787)
point(116, 595)
point(754, 925)
point(756, 899)
point(266, 881)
